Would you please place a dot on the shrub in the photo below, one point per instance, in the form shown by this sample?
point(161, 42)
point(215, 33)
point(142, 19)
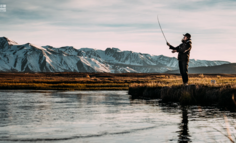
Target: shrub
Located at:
point(201, 75)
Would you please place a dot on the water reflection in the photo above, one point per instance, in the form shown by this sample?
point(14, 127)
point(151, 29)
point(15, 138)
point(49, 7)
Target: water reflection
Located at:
point(198, 123)
point(102, 116)
point(172, 108)
point(184, 136)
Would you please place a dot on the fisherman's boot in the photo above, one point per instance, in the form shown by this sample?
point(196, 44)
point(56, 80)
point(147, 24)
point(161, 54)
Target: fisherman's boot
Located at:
point(185, 84)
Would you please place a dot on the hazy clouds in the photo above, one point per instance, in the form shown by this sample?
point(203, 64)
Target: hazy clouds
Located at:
point(126, 24)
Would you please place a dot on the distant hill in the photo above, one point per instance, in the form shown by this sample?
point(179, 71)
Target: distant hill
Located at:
point(225, 68)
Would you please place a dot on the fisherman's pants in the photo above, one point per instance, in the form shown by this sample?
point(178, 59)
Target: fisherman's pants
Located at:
point(183, 68)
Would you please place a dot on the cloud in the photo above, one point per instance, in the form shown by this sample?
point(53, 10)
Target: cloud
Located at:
point(127, 24)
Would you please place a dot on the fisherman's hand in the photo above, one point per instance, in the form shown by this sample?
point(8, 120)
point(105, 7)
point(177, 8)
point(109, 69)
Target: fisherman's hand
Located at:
point(167, 43)
point(174, 51)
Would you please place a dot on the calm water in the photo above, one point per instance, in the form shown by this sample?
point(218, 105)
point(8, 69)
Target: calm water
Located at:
point(106, 116)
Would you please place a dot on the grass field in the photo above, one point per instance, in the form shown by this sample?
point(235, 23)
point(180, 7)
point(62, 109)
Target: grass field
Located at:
point(199, 92)
point(105, 81)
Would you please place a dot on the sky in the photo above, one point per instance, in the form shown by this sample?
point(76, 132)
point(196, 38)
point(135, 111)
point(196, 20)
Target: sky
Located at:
point(130, 25)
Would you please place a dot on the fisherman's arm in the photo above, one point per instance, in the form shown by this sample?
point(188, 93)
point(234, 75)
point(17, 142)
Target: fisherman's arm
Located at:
point(189, 46)
point(172, 47)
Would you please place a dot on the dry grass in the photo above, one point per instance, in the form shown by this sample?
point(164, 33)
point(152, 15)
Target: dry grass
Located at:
point(223, 81)
point(205, 93)
point(90, 81)
point(201, 91)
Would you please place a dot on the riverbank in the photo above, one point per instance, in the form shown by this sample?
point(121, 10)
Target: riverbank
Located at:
point(101, 81)
point(221, 95)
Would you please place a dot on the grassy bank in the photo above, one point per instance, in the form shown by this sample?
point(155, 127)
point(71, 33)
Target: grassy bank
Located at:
point(64, 86)
point(222, 95)
point(102, 81)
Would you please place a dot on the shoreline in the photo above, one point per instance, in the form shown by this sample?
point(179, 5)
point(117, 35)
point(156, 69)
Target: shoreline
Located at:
point(195, 94)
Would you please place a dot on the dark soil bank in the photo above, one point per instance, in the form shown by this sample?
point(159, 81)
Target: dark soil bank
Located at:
point(222, 96)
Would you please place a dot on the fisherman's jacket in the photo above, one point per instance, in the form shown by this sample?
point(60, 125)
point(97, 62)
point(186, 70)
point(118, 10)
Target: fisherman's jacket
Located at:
point(184, 50)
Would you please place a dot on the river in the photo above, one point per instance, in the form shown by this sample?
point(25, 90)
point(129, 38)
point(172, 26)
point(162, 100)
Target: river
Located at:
point(107, 116)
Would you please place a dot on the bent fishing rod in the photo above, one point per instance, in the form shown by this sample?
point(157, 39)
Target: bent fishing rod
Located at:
point(161, 28)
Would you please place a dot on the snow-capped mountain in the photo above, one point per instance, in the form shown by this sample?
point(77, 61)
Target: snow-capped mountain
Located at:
point(31, 58)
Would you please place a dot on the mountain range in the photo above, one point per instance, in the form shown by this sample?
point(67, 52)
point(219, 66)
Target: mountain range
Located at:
point(225, 68)
point(28, 57)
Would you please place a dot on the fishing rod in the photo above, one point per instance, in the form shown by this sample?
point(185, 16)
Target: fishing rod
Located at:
point(161, 28)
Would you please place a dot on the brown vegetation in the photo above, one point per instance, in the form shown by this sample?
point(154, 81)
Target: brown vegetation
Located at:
point(200, 91)
point(101, 81)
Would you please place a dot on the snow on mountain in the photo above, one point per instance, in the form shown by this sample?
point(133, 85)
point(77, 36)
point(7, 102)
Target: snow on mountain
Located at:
point(128, 57)
point(31, 58)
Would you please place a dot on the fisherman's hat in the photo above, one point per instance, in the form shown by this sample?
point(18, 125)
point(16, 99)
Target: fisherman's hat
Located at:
point(187, 35)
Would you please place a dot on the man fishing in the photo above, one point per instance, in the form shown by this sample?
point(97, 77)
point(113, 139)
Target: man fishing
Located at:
point(183, 57)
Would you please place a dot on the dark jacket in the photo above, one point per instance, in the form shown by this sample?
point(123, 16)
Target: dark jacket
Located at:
point(184, 50)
